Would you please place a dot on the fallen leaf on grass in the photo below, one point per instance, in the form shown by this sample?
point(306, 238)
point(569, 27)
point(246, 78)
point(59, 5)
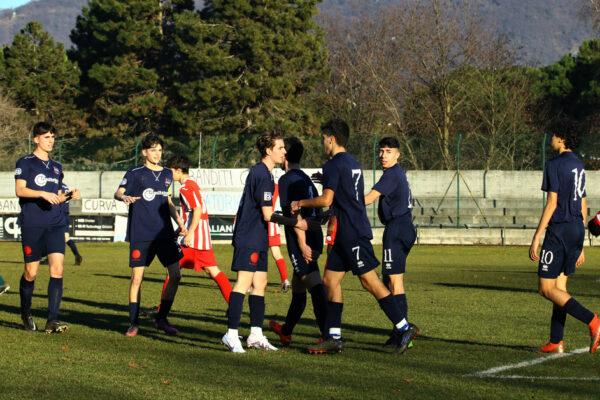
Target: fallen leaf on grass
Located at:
point(474, 276)
point(408, 380)
point(65, 348)
point(133, 365)
point(166, 383)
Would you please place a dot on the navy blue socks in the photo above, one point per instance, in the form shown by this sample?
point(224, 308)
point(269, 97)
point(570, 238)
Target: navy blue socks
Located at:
point(257, 310)
point(55, 291)
point(294, 313)
point(557, 324)
point(26, 293)
point(578, 311)
point(234, 313)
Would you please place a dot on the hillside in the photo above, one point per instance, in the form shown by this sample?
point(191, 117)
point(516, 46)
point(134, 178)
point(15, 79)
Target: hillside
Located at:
point(546, 29)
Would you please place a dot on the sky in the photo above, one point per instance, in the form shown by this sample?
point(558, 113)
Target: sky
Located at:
point(12, 3)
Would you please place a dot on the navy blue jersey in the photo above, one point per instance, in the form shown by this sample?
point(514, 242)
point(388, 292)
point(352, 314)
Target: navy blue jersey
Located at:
point(149, 217)
point(65, 206)
point(565, 176)
point(41, 175)
point(251, 230)
point(343, 174)
point(293, 186)
point(395, 200)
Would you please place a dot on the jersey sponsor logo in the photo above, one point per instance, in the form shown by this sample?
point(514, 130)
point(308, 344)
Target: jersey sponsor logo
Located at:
point(41, 180)
point(149, 194)
point(268, 196)
point(18, 171)
point(124, 181)
point(56, 171)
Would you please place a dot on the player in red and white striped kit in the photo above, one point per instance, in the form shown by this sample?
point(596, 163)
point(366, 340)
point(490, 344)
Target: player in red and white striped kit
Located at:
point(196, 244)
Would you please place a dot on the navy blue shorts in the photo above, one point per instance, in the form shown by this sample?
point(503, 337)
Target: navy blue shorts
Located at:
point(398, 238)
point(357, 256)
point(38, 242)
point(252, 260)
point(141, 254)
point(301, 267)
point(561, 249)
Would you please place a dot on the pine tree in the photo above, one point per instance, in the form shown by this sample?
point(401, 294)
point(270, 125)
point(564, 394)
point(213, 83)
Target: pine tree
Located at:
point(40, 78)
point(120, 46)
point(276, 56)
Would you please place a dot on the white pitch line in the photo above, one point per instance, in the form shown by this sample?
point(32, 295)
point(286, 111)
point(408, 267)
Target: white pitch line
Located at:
point(553, 378)
point(493, 371)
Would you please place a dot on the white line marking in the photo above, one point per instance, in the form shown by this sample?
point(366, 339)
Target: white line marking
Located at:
point(559, 378)
point(493, 372)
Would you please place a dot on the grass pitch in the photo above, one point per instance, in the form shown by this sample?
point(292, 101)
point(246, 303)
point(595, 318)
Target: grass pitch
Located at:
point(477, 308)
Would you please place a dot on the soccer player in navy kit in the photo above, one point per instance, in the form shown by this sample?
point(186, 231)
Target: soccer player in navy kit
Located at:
point(251, 243)
point(38, 181)
point(394, 211)
point(343, 187)
point(149, 230)
point(304, 248)
point(563, 220)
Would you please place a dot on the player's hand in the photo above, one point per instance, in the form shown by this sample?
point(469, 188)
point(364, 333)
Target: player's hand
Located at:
point(306, 253)
point(183, 231)
point(129, 199)
point(75, 194)
point(51, 198)
point(294, 206)
point(317, 177)
point(581, 259)
point(535, 243)
point(187, 240)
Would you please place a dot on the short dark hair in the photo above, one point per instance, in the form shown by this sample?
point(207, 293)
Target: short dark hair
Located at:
point(567, 129)
point(150, 140)
point(293, 149)
point(179, 162)
point(266, 141)
point(389, 141)
point(42, 128)
point(338, 129)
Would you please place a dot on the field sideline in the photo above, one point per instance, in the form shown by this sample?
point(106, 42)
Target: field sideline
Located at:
point(477, 307)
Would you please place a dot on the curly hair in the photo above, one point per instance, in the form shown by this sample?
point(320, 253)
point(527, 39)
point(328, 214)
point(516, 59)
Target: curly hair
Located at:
point(567, 129)
point(266, 141)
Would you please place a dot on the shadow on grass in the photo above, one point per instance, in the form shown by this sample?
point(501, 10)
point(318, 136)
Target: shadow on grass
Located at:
point(12, 262)
point(485, 287)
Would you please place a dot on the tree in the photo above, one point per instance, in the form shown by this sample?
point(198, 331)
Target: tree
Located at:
point(121, 48)
point(276, 56)
point(40, 77)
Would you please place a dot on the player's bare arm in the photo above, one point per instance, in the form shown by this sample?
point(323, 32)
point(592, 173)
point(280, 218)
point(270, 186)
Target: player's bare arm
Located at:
point(173, 211)
point(22, 190)
point(196, 216)
point(121, 196)
point(544, 220)
point(324, 200)
point(371, 197)
point(581, 258)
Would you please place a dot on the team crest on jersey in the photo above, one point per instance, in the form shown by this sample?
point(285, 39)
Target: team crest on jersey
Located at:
point(56, 171)
point(167, 182)
point(268, 196)
point(18, 171)
point(40, 180)
point(124, 181)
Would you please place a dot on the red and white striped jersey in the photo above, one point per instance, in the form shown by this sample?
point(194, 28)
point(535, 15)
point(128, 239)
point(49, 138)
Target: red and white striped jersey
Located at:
point(273, 227)
point(191, 198)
